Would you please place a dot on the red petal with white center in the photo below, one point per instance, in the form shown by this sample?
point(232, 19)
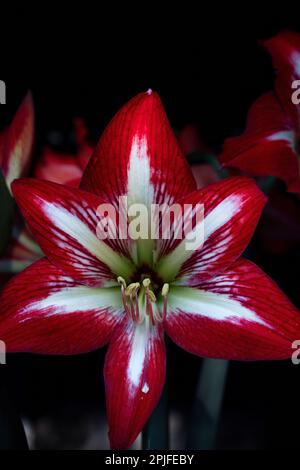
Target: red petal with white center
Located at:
point(285, 51)
point(18, 142)
point(55, 315)
point(139, 156)
point(267, 147)
point(59, 168)
point(241, 314)
point(134, 375)
point(212, 230)
point(65, 223)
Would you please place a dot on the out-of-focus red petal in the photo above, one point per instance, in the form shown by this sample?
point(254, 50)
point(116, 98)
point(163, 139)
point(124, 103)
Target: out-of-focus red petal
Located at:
point(22, 251)
point(18, 142)
point(59, 168)
point(267, 147)
point(204, 174)
point(285, 51)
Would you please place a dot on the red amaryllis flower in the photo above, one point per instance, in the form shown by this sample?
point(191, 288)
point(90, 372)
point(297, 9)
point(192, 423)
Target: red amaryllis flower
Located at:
point(270, 144)
point(88, 292)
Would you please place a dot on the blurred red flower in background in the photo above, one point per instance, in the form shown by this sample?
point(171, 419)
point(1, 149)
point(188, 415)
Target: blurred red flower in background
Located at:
point(270, 143)
point(16, 144)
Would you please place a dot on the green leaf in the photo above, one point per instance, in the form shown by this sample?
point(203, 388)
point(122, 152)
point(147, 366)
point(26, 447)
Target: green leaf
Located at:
point(6, 214)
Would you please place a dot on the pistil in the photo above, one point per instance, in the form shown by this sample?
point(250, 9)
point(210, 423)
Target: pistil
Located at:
point(150, 297)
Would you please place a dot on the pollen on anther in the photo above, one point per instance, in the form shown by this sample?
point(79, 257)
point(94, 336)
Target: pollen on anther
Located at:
point(121, 281)
point(165, 290)
point(146, 282)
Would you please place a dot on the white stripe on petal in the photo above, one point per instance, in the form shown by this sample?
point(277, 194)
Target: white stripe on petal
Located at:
point(140, 190)
point(218, 307)
point(288, 136)
point(76, 299)
point(170, 265)
point(73, 227)
point(139, 187)
point(138, 353)
point(295, 61)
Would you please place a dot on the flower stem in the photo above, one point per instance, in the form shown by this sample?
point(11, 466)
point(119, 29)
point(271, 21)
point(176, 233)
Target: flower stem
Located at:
point(155, 434)
point(206, 409)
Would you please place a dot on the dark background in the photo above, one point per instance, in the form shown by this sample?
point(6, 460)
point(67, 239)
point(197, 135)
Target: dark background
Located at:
point(207, 70)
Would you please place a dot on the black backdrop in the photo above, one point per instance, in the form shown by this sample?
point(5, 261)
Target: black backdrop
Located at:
point(208, 69)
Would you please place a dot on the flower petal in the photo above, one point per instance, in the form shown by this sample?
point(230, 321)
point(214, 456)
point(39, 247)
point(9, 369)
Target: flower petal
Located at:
point(267, 147)
point(55, 315)
point(285, 51)
point(138, 156)
point(204, 174)
point(211, 243)
point(240, 314)
point(134, 376)
point(18, 142)
point(64, 222)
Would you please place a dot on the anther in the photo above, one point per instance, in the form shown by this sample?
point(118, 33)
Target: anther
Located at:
point(164, 293)
point(132, 288)
point(151, 295)
point(121, 281)
point(165, 290)
point(146, 282)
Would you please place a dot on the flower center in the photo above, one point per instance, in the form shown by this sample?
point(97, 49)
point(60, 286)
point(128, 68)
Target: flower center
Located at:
point(140, 302)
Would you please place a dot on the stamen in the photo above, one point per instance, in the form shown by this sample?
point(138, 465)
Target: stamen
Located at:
point(138, 316)
point(121, 281)
point(165, 290)
point(158, 316)
point(132, 292)
point(132, 307)
point(151, 295)
point(146, 282)
point(132, 288)
point(132, 310)
point(149, 309)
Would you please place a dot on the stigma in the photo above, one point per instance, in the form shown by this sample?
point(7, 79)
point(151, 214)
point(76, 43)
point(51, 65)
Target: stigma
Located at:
point(140, 302)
